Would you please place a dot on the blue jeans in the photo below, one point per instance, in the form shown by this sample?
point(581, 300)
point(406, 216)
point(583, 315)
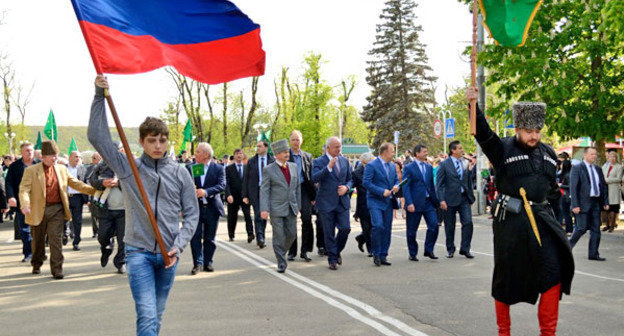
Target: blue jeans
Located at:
point(150, 283)
point(413, 222)
point(24, 234)
point(381, 230)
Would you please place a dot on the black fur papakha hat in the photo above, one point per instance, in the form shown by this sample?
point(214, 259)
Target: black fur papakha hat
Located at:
point(529, 115)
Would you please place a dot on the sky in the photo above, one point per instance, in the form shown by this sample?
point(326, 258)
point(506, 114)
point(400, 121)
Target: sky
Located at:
point(44, 43)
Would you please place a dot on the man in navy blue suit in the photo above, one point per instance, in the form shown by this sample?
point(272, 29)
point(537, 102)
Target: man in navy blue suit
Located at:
point(208, 188)
point(420, 200)
point(332, 172)
point(454, 186)
point(381, 183)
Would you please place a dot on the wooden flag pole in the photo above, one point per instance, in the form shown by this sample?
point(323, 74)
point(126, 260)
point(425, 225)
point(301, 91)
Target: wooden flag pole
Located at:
point(473, 68)
point(137, 178)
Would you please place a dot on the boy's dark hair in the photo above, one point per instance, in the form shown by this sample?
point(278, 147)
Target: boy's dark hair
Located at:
point(153, 126)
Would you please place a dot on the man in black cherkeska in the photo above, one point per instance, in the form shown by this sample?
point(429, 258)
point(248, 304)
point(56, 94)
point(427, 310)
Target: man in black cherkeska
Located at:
point(529, 259)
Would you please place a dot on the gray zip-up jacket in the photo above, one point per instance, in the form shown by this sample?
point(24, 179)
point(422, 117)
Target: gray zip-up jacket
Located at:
point(169, 187)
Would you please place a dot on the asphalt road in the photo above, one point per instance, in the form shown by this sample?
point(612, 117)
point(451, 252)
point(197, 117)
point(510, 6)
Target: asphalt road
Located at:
point(245, 296)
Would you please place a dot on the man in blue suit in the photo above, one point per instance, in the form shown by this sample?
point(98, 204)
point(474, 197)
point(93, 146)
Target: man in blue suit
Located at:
point(420, 200)
point(381, 183)
point(332, 172)
point(454, 186)
point(208, 188)
point(589, 193)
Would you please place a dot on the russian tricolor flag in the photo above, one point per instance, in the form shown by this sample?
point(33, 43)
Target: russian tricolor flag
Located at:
point(211, 41)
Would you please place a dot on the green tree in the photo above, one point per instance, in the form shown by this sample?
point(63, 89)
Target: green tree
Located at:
point(400, 78)
point(573, 61)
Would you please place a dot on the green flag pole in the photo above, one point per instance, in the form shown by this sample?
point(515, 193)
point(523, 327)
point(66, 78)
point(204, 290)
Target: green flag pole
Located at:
point(72, 146)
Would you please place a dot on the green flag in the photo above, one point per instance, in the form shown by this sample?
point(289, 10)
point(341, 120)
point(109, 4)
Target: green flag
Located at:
point(197, 169)
point(188, 131)
point(38, 144)
point(183, 147)
point(50, 127)
point(72, 146)
point(265, 136)
point(509, 21)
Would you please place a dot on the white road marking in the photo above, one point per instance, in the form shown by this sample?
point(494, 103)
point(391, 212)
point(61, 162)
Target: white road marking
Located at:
point(491, 255)
point(269, 267)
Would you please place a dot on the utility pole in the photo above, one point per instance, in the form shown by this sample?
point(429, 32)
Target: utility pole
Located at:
point(481, 85)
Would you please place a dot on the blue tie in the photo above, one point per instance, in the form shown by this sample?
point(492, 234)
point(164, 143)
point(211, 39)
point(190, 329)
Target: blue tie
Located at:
point(594, 185)
point(458, 168)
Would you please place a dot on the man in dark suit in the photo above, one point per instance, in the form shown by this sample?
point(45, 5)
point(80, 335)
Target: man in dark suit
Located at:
point(76, 200)
point(362, 213)
point(303, 160)
point(13, 180)
point(420, 200)
point(208, 188)
point(332, 172)
point(234, 174)
point(454, 185)
point(381, 183)
point(589, 195)
point(95, 160)
point(251, 187)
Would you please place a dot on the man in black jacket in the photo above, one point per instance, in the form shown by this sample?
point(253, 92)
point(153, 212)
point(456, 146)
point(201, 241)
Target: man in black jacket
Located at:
point(303, 160)
point(13, 180)
point(251, 186)
point(234, 174)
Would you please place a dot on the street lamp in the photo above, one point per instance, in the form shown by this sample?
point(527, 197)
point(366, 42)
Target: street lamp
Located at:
point(450, 116)
point(10, 137)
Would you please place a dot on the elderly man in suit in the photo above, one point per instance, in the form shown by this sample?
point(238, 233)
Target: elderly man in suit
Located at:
point(76, 199)
point(381, 183)
point(303, 160)
point(45, 205)
point(234, 174)
point(13, 180)
point(208, 188)
point(612, 171)
point(454, 186)
point(280, 197)
point(332, 172)
point(589, 195)
point(251, 188)
point(420, 200)
point(362, 213)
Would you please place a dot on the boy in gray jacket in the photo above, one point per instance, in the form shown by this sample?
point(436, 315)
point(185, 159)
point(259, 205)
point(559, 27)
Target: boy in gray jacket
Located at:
point(170, 190)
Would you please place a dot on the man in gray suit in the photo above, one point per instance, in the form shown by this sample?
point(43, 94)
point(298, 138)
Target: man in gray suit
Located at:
point(280, 197)
point(454, 187)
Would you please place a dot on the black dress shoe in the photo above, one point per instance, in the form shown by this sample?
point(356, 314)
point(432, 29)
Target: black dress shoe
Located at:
point(466, 254)
point(196, 269)
point(36, 271)
point(65, 240)
point(281, 268)
point(231, 239)
point(208, 268)
point(339, 259)
point(430, 255)
point(104, 259)
point(385, 262)
point(291, 257)
point(250, 238)
point(333, 266)
point(58, 276)
point(322, 251)
point(377, 261)
point(27, 259)
point(76, 248)
point(450, 254)
point(413, 258)
point(597, 258)
point(304, 256)
point(261, 245)
point(360, 243)
point(370, 255)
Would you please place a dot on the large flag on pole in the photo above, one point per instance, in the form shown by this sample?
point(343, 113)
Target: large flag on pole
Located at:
point(209, 41)
point(509, 21)
point(72, 146)
point(50, 127)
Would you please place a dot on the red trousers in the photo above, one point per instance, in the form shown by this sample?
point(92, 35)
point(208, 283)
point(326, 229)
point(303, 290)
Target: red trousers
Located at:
point(547, 313)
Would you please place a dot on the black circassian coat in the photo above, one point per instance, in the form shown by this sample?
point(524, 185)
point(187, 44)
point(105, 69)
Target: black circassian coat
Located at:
point(522, 268)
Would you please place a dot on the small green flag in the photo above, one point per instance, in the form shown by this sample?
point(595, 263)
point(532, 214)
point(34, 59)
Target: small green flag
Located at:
point(50, 127)
point(509, 21)
point(266, 136)
point(38, 144)
point(72, 146)
point(197, 169)
point(188, 131)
